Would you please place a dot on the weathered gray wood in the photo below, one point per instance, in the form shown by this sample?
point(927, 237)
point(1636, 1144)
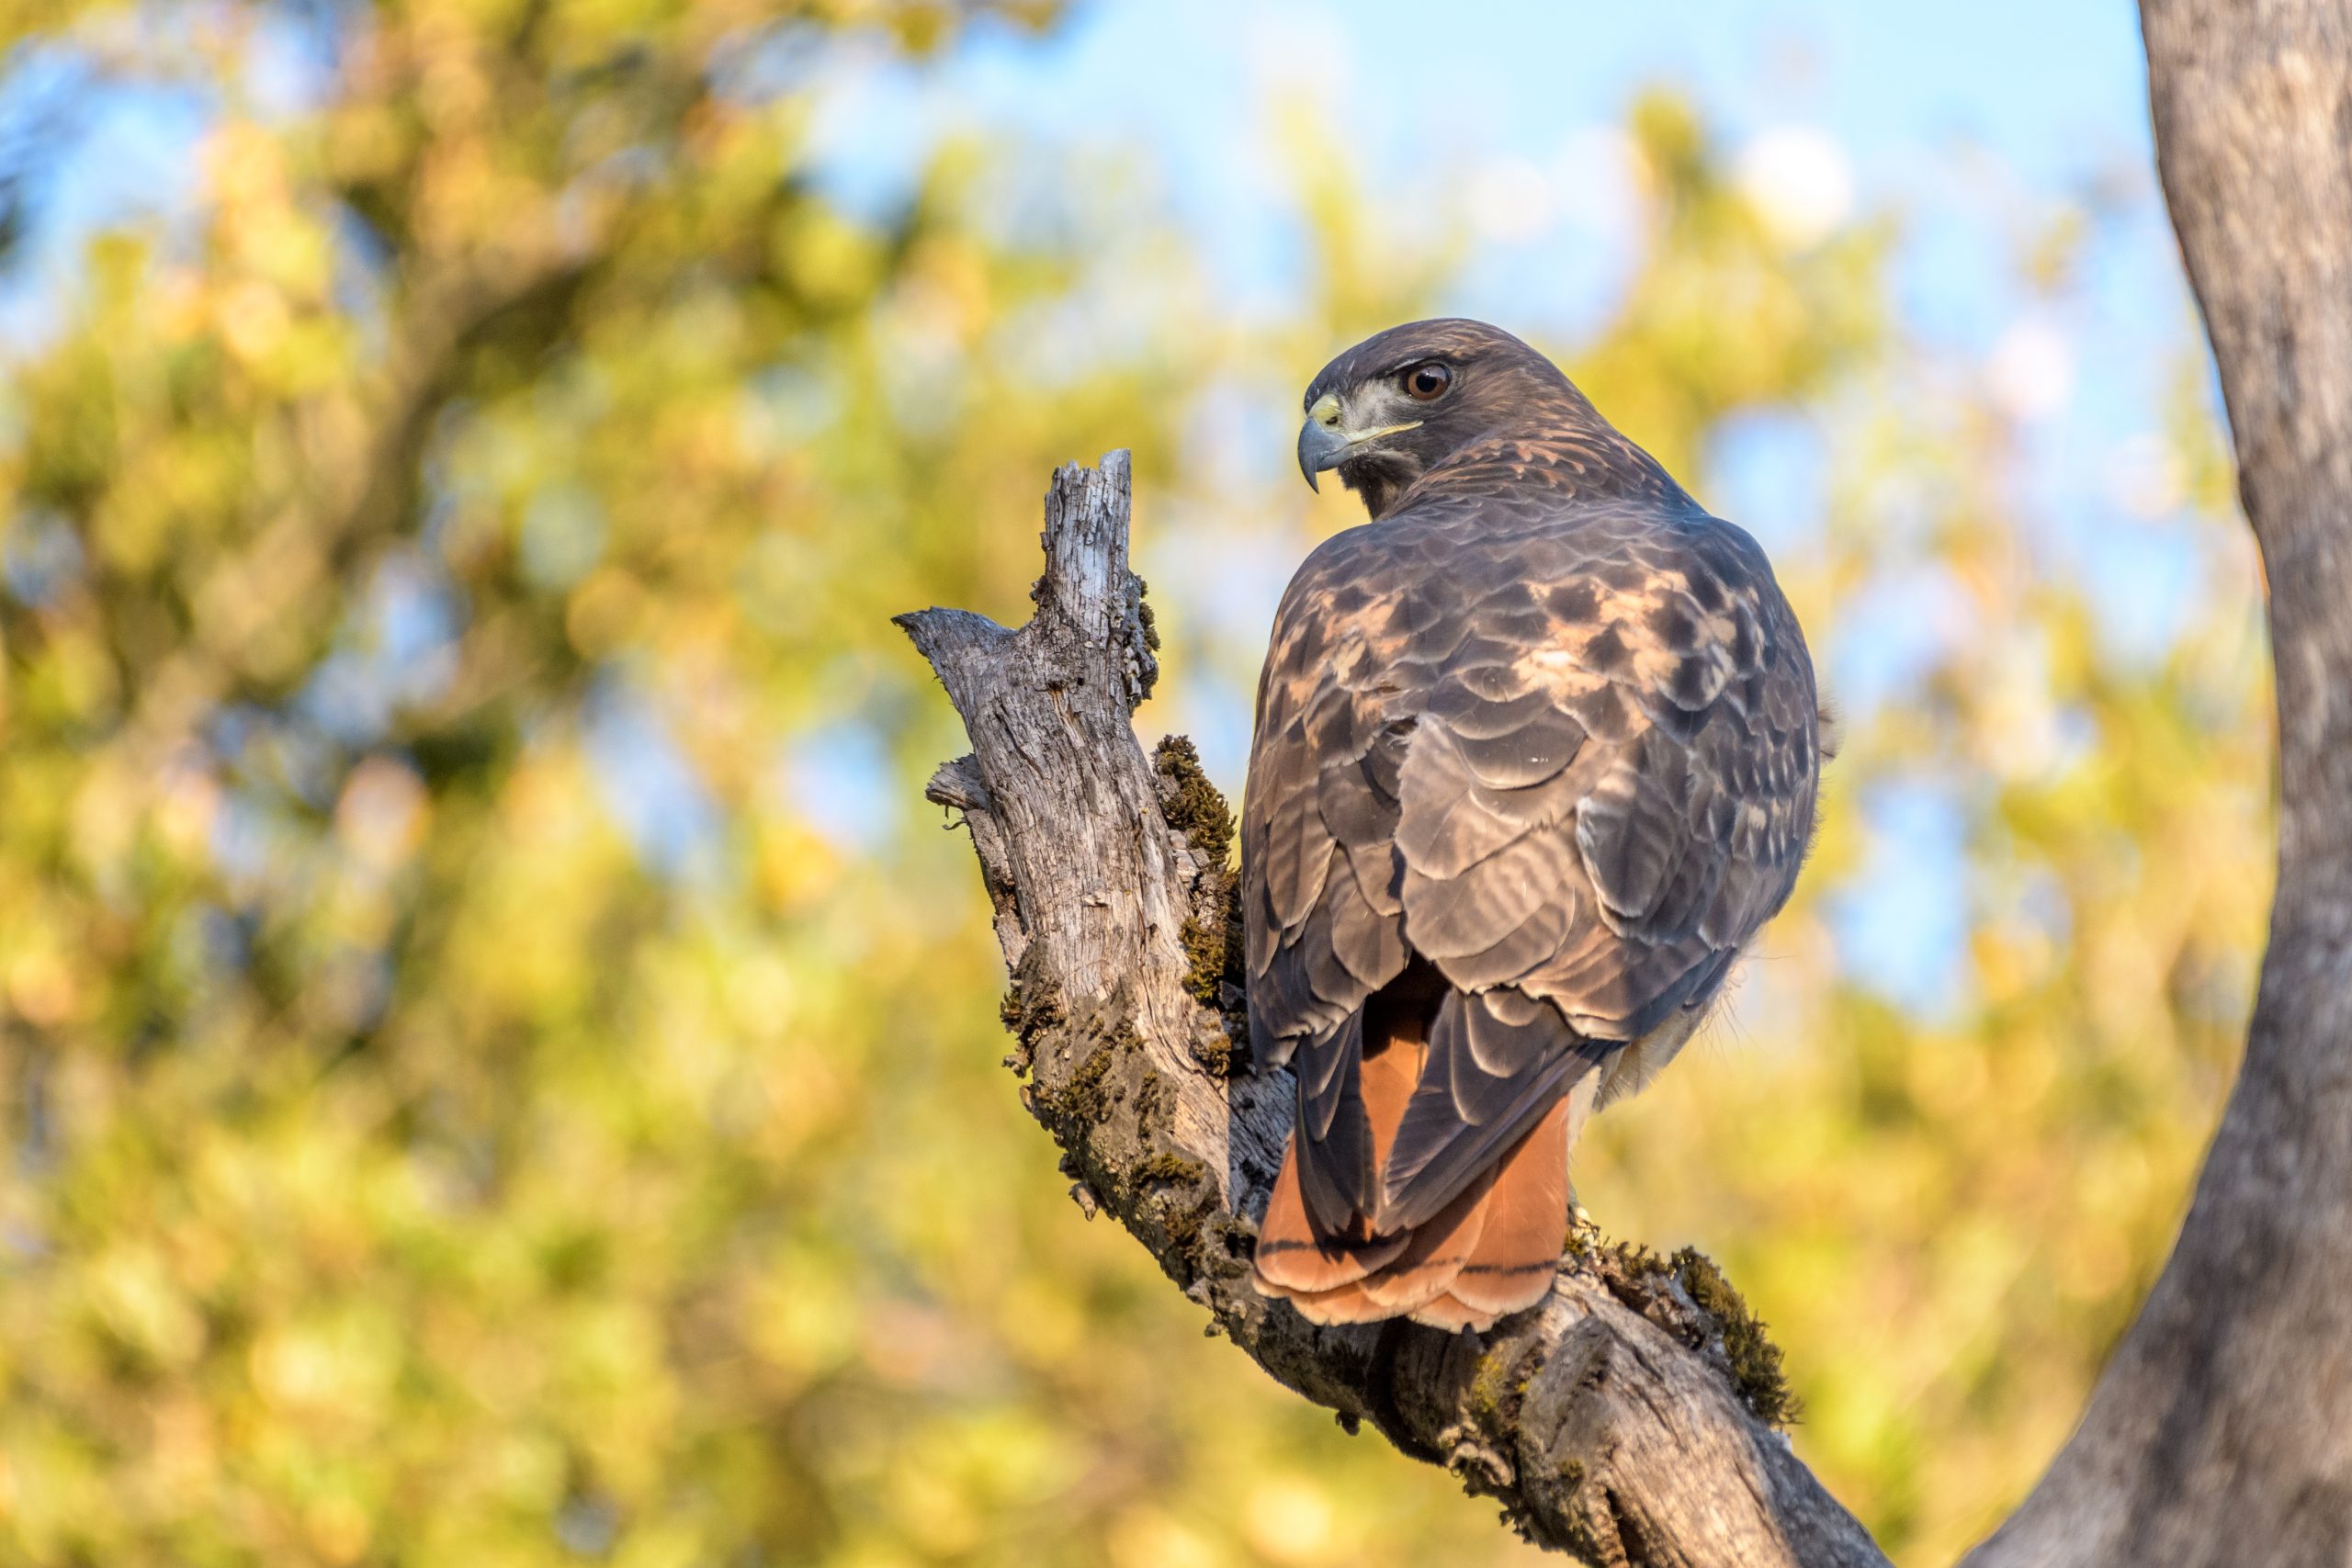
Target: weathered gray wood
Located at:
point(2222, 1431)
point(1607, 1420)
point(1612, 1421)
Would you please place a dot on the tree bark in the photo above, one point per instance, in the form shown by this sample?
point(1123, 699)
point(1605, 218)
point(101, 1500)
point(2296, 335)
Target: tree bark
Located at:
point(1622, 1420)
point(2221, 1430)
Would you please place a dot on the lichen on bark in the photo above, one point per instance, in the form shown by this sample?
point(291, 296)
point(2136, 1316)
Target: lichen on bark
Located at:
point(1212, 936)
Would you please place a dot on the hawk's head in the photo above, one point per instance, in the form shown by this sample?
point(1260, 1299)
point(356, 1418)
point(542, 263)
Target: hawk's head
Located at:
point(1402, 401)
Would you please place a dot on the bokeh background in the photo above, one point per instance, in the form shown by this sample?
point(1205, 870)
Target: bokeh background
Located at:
point(499, 1067)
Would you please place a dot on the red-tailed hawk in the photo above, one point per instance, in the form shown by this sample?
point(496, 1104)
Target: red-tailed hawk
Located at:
point(1536, 754)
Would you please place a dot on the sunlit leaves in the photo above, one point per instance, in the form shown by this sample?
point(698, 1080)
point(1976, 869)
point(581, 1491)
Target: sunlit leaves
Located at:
point(498, 1068)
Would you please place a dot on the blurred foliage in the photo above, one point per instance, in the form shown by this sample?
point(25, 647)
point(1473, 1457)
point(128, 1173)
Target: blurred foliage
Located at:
point(496, 1069)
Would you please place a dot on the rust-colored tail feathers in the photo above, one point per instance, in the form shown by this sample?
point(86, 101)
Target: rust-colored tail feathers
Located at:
point(1489, 1252)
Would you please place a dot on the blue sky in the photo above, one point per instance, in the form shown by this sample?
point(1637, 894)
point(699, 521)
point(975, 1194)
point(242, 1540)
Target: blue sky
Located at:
point(1940, 114)
point(1972, 127)
point(1970, 130)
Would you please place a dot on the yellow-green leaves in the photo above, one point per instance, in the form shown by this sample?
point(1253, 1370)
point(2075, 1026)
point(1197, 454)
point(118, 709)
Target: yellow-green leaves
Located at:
point(496, 1063)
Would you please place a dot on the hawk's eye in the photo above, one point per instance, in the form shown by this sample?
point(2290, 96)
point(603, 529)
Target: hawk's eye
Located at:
point(1426, 383)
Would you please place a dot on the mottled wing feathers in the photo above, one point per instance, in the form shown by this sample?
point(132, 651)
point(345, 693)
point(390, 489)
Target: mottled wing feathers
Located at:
point(1564, 751)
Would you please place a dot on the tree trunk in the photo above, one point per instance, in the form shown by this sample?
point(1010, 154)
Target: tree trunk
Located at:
point(1628, 1419)
point(2222, 1431)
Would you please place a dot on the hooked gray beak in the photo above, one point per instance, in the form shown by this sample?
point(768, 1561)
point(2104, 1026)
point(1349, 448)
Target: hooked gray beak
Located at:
point(1325, 443)
point(1320, 446)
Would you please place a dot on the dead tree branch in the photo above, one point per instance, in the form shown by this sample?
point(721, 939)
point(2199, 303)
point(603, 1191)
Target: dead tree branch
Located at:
point(1619, 1420)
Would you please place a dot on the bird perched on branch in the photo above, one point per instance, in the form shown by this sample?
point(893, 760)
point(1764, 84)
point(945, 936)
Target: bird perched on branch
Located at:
point(1536, 755)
